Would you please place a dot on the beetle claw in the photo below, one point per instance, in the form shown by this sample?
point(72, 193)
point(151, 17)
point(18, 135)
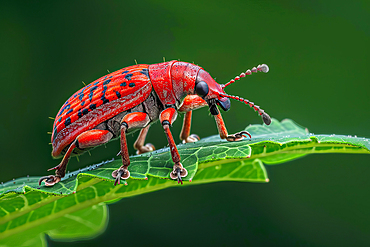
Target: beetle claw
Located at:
point(119, 174)
point(54, 168)
point(238, 136)
point(178, 173)
point(49, 180)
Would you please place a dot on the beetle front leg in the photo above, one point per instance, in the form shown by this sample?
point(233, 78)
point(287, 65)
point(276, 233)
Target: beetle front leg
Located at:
point(191, 102)
point(87, 139)
point(130, 121)
point(223, 132)
point(167, 117)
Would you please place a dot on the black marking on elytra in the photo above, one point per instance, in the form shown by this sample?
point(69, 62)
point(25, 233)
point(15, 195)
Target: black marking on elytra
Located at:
point(92, 92)
point(96, 83)
point(85, 111)
point(69, 112)
point(128, 76)
point(65, 107)
point(67, 122)
point(81, 96)
point(60, 119)
point(123, 84)
point(80, 113)
point(93, 106)
point(118, 94)
point(131, 84)
point(82, 103)
point(124, 72)
point(105, 100)
point(110, 76)
point(106, 82)
point(145, 72)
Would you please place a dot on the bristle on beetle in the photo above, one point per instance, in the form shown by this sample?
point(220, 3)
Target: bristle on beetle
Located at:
point(263, 68)
point(265, 117)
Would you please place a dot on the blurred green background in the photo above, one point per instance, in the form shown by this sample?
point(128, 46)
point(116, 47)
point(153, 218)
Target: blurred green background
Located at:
point(318, 54)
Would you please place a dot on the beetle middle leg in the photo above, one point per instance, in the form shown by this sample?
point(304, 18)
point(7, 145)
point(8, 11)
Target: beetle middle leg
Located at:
point(87, 139)
point(129, 122)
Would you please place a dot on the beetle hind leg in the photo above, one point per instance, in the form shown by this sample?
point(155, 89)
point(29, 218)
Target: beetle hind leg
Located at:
point(87, 139)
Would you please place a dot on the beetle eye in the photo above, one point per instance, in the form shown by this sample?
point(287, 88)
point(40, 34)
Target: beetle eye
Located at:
point(201, 89)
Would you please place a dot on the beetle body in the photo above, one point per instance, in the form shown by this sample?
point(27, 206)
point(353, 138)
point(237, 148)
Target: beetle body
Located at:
point(131, 99)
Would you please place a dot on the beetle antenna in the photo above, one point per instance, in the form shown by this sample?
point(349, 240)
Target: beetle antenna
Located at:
point(265, 117)
point(263, 67)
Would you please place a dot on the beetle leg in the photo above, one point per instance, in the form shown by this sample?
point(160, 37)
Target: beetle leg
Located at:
point(223, 132)
point(185, 135)
point(191, 102)
point(87, 139)
point(167, 117)
point(139, 143)
point(129, 122)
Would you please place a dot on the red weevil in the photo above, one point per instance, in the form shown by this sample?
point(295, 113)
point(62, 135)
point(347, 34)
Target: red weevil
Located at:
point(134, 97)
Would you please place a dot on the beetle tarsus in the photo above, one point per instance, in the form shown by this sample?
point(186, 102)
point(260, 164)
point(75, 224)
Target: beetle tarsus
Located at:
point(146, 148)
point(238, 136)
point(191, 138)
point(49, 180)
point(178, 173)
point(119, 174)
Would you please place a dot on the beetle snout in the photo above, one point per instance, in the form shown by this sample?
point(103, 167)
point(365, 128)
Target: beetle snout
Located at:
point(224, 103)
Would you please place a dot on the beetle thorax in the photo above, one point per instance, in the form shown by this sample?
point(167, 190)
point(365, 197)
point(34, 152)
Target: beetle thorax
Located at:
point(172, 81)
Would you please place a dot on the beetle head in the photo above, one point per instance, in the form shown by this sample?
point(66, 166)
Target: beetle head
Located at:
point(213, 93)
point(207, 88)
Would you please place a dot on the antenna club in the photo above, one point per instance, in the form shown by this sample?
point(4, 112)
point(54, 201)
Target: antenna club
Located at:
point(265, 117)
point(263, 67)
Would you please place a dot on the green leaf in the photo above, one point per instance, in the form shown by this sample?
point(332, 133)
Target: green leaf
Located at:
point(28, 211)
